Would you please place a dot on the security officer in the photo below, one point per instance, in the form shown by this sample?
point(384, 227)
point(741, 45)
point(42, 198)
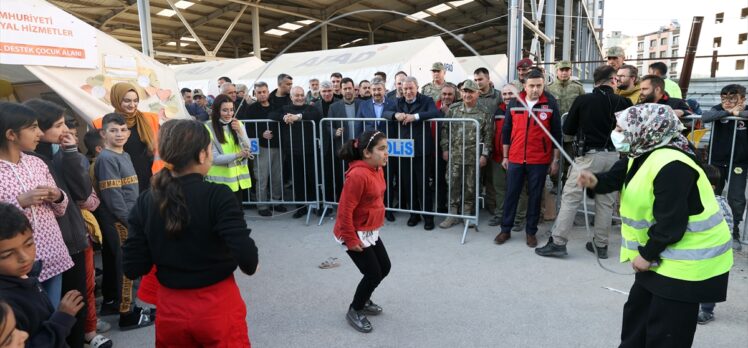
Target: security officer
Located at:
point(673, 232)
point(564, 88)
point(458, 142)
point(433, 89)
point(591, 119)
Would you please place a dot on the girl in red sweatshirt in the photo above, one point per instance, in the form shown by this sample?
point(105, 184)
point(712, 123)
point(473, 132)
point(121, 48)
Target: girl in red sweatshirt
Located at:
point(360, 215)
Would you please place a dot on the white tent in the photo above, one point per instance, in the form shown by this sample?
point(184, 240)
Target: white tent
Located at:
point(205, 75)
point(360, 63)
point(85, 90)
point(497, 66)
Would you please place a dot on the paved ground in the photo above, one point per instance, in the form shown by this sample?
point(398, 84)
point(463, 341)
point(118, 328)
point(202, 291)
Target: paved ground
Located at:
point(443, 294)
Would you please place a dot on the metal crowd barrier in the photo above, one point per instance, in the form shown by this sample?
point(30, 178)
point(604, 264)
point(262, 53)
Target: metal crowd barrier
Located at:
point(285, 174)
point(404, 165)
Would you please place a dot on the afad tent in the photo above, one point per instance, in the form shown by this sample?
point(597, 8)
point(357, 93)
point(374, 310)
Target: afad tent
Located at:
point(415, 57)
point(205, 75)
point(78, 62)
point(497, 67)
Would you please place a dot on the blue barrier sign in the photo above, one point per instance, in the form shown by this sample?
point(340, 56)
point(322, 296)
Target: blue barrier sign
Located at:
point(401, 147)
point(254, 146)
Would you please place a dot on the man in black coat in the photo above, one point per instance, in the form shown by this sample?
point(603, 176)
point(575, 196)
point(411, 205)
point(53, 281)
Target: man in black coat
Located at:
point(297, 142)
point(411, 112)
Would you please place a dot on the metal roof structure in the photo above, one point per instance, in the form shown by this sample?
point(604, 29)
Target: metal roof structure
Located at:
point(194, 30)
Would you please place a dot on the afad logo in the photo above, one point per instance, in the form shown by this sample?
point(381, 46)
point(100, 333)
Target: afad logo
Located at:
point(345, 58)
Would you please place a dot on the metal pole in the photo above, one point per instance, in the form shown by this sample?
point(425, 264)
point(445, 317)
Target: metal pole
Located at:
point(324, 36)
point(514, 33)
point(146, 36)
point(693, 41)
point(568, 10)
point(550, 30)
point(256, 46)
point(578, 38)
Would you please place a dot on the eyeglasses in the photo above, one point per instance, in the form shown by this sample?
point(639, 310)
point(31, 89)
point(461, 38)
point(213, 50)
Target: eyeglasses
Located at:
point(623, 76)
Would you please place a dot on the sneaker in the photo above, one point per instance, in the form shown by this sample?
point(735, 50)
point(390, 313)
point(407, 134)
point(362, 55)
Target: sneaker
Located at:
point(602, 252)
point(358, 320)
point(704, 317)
point(495, 221)
point(265, 212)
point(109, 308)
point(135, 319)
point(100, 341)
point(102, 326)
point(551, 249)
point(372, 308)
point(449, 222)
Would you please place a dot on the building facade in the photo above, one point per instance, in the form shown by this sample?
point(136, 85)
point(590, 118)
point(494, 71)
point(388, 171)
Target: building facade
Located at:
point(663, 45)
point(724, 31)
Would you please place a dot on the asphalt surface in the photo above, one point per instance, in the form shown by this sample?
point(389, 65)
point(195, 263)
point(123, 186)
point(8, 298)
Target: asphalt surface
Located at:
point(443, 294)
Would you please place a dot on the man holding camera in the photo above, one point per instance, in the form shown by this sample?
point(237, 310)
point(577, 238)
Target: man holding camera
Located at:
point(591, 119)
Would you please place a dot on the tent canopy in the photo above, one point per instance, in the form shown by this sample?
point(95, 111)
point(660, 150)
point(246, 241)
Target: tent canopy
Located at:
point(360, 63)
point(205, 75)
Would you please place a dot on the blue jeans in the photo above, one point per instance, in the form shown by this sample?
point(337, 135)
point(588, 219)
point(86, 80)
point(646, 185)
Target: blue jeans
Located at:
point(53, 288)
point(515, 179)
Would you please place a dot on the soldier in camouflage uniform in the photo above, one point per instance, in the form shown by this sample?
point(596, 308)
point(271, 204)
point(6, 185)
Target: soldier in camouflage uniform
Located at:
point(458, 140)
point(565, 90)
point(433, 89)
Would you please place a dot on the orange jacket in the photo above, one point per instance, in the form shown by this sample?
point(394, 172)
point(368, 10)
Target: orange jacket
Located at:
point(153, 120)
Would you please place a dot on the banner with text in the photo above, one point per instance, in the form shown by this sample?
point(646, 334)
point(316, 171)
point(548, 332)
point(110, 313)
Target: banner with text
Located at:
point(34, 33)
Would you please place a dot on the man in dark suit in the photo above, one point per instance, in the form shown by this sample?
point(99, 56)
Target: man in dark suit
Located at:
point(379, 107)
point(412, 112)
point(334, 134)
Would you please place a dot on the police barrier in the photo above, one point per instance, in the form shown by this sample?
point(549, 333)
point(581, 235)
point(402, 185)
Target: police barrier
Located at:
point(416, 173)
point(284, 167)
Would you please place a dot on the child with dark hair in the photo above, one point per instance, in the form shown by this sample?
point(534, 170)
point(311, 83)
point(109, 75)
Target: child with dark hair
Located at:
point(706, 314)
point(195, 234)
point(118, 189)
point(360, 215)
point(25, 181)
point(20, 287)
point(68, 168)
point(10, 335)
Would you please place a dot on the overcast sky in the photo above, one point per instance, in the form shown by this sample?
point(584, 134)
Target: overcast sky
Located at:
point(636, 17)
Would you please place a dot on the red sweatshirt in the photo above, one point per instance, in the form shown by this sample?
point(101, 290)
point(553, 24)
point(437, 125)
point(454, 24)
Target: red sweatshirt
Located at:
point(361, 206)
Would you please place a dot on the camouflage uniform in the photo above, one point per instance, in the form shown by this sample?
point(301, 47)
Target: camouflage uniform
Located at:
point(456, 140)
point(565, 92)
point(490, 100)
point(433, 90)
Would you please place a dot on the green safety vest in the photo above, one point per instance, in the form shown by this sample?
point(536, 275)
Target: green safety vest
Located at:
point(705, 251)
point(235, 175)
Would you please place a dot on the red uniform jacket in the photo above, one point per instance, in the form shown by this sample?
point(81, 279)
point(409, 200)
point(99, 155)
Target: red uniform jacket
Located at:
point(528, 144)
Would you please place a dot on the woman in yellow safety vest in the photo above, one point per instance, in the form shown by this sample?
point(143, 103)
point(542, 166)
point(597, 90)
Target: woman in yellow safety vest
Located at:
point(673, 231)
point(230, 148)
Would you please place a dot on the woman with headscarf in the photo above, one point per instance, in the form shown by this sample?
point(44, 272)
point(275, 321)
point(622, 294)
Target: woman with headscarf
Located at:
point(143, 142)
point(673, 232)
point(142, 148)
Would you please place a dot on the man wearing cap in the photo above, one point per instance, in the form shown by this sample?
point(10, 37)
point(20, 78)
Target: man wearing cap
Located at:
point(198, 107)
point(564, 88)
point(523, 67)
point(616, 57)
point(433, 89)
point(459, 138)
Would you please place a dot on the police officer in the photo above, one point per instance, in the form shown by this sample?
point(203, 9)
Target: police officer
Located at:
point(433, 89)
point(673, 232)
point(458, 145)
point(591, 119)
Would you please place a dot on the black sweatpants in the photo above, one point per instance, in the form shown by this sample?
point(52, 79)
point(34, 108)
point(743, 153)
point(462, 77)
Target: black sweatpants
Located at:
point(374, 264)
point(414, 176)
point(75, 279)
point(653, 321)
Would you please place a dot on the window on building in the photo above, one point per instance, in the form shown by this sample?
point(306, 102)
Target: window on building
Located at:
point(640, 46)
point(652, 43)
point(639, 56)
point(662, 54)
point(675, 40)
point(673, 66)
point(742, 38)
point(740, 64)
point(652, 55)
point(663, 41)
point(719, 18)
point(744, 13)
point(717, 42)
point(674, 53)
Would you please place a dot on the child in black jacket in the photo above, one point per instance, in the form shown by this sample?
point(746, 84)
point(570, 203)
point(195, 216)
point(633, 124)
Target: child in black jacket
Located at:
point(20, 288)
